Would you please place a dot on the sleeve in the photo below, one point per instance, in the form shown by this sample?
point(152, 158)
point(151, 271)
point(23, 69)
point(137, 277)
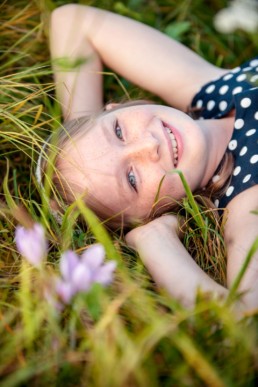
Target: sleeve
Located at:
point(216, 98)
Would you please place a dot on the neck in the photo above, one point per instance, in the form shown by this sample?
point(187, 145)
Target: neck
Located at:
point(218, 133)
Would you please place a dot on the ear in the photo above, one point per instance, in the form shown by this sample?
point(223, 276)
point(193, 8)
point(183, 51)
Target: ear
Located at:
point(110, 106)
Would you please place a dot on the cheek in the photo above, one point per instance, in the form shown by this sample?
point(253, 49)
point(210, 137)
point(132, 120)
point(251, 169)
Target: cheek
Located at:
point(172, 187)
point(151, 182)
point(150, 192)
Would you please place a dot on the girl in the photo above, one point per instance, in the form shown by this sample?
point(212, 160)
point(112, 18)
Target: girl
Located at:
point(122, 159)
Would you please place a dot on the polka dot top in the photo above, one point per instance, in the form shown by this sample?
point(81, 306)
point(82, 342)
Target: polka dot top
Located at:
point(238, 89)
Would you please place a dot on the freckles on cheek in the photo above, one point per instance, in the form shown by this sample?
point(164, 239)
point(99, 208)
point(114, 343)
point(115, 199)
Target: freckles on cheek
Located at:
point(170, 186)
point(145, 202)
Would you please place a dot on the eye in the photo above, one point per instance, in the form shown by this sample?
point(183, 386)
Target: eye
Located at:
point(132, 180)
point(118, 131)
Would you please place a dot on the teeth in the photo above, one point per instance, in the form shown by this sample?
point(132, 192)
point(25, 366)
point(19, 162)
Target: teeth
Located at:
point(174, 145)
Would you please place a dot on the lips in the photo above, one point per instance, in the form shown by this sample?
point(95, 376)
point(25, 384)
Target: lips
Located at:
point(173, 141)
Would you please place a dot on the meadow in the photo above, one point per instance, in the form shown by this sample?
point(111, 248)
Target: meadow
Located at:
point(128, 333)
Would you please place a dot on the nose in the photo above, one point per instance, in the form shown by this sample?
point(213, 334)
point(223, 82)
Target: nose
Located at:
point(147, 147)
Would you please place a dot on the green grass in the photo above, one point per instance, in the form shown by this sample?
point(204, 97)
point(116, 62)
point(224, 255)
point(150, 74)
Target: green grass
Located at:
point(128, 334)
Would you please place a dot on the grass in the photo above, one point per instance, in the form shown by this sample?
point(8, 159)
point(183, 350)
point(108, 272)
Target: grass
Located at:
point(128, 334)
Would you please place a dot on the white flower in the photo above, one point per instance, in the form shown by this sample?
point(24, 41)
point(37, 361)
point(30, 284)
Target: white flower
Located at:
point(241, 14)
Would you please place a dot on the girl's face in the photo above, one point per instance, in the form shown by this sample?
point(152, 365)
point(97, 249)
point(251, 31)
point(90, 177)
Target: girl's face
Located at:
point(122, 159)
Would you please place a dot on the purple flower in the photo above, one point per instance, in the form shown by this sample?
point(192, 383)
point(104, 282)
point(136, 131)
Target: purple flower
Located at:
point(31, 243)
point(64, 290)
point(79, 273)
point(93, 259)
point(69, 261)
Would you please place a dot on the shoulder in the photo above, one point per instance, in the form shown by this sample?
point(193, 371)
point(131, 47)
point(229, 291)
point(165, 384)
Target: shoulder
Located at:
point(242, 214)
point(218, 98)
point(241, 235)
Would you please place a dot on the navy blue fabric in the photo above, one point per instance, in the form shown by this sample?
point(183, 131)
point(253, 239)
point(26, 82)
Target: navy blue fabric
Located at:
point(238, 89)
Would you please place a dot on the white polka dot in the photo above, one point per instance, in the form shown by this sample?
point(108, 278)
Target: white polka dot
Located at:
point(243, 151)
point(250, 132)
point(239, 123)
point(210, 105)
point(256, 115)
point(223, 105)
point(232, 145)
point(247, 178)
point(236, 70)
point(210, 89)
point(237, 90)
point(199, 103)
point(223, 89)
point(230, 190)
point(215, 178)
point(254, 78)
point(216, 203)
point(241, 77)
point(227, 77)
point(245, 102)
point(247, 68)
point(254, 159)
point(237, 170)
point(254, 62)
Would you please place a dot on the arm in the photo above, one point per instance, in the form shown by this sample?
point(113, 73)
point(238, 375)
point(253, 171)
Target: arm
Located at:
point(79, 89)
point(241, 230)
point(168, 261)
point(141, 54)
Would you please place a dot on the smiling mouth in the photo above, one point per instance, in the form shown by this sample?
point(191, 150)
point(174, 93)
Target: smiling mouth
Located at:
point(173, 142)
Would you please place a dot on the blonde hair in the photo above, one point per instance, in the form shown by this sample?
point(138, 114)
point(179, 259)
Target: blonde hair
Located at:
point(68, 191)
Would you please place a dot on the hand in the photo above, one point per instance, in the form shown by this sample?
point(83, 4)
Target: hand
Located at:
point(166, 224)
point(167, 260)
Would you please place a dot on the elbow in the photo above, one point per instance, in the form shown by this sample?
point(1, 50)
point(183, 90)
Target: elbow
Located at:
point(63, 10)
point(61, 16)
point(61, 13)
point(58, 17)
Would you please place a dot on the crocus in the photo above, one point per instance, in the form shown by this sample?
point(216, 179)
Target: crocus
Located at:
point(31, 243)
point(93, 258)
point(78, 274)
